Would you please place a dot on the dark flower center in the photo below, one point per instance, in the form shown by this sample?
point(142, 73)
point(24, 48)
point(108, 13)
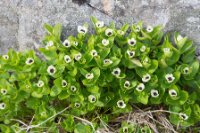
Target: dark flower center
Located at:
point(169, 78)
point(140, 88)
point(121, 103)
point(82, 30)
point(131, 53)
point(51, 70)
point(93, 99)
point(30, 61)
point(155, 94)
point(127, 84)
point(116, 72)
point(173, 93)
point(109, 33)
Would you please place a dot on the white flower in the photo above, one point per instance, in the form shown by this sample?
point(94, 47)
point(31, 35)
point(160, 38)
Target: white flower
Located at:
point(166, 50)
point(49, 44)
point(179, 38)
point(146, 60)
point(121, 104)
point(64, 83)
point(67, 59)
point(105, 42)
point(89, 76)
point(120, 32)
point(146, 78)
point(5, 57)
point(73, 88)
point(154, 93)
point(94, 53)
point(3, 91)
point(78, 56)
point(183, 116)
point(127, 84)
point(116, 72)
point(29, 61)
point(140, 87)
point(27, 86)
point(149, 28)
point(107, 61)
point(186, 70)
point(82, 29)
point(77, 105)
point(99, 24)
point(132, 42)
point(40, 84)
point(130, 53)
point(169, 77)
point(137, 29)
point(66, 43)
point(75, 43)
point(125, 129)
point(143, 48)
point(109, 32)
point(2, 106)
point(92, 98)
point(51, 70)
point(172, 93)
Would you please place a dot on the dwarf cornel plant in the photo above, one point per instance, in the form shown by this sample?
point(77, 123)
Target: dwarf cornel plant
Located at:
point(100, 74)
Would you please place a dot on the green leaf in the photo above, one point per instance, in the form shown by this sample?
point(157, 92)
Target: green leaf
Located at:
point(81, 128)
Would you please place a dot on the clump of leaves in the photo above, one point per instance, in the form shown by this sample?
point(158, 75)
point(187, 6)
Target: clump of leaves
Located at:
point(100, 75)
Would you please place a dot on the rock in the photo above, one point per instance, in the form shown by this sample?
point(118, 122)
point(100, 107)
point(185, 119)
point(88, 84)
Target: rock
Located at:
point(21, 21)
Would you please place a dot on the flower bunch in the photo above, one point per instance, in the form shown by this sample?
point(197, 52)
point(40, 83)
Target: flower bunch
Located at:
point(95, 73)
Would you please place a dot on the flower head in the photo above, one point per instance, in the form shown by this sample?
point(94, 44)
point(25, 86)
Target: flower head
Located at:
point(73, 88)
point(64, 83)
point(149, 28)
point(120, 32)
point(40, 83)
point(137, 29)
point(99, 24)
point(186, 70)
point(82, 29)
point(92, 98)
point(78, 56)
point(49, 44)
point(107, 61)
point(146, 78)
point(154, 93)
point(183, 116)
point(125, 129)
point(130, 53)
point(94, 53)
point(166, 50)
point(67, 59)
point(66, 43)
point(77, 105)
point(140, 87)
point(29, 61)
point(132, 42)
point(172, 93)
point(51, 70)
point(75, 43)
point(109, 32)
point(105, 42)
point(5, 57)
point(127, 84)
point(2, 106)
point(169, 77)
point(143, 48)
point(121, 104)
point(179, 38)
point(89, 76)
point(116, 72)
point(3, 91)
